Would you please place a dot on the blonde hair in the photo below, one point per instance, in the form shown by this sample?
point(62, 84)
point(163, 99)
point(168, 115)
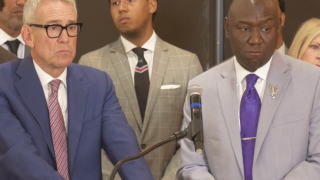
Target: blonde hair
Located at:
point(30, 8)
point(306, 33)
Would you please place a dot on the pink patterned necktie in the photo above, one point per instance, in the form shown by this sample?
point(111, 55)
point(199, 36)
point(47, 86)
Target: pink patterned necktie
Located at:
point(58, 132)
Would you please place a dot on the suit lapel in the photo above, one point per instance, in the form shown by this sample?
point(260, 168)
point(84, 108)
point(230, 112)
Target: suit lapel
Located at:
point(120, 62)
point(276, 76)
point(229, 104)
point(77, 95)
point(160, 63)
point(31, 92)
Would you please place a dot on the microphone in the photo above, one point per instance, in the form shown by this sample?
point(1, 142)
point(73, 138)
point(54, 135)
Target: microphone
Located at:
point(192, 132)
point(196, 128)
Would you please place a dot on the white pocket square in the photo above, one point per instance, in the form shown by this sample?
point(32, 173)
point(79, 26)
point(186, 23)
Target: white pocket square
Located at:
point(170, 86)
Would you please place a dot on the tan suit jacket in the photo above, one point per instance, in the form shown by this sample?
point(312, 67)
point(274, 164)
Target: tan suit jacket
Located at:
point(171, 66)
point(6, 55)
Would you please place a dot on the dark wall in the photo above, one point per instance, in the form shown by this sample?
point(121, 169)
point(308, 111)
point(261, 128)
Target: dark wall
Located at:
point(188, 24)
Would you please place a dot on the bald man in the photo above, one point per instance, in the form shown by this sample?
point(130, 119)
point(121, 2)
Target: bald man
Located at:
point(260, 109)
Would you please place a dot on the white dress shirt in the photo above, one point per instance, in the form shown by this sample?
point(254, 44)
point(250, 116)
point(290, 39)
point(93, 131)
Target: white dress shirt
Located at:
point(148, 54)
point(45, 80)
point(260, 85)
point(4, 37)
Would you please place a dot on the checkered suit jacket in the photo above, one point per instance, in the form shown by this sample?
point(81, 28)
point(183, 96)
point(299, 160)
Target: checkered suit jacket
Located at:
point(171, 66)
point(6, 56)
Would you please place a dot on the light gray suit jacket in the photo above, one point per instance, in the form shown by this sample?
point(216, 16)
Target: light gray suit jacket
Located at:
point(163, 116)
point(288, 136)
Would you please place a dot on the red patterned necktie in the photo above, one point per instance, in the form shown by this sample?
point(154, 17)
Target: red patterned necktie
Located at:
point(58, 132)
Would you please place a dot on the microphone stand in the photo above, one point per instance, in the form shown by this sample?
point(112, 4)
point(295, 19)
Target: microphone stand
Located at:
point(190, 132)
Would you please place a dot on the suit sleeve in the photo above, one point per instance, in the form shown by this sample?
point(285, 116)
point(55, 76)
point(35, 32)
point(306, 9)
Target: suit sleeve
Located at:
point(119, 140)
point(194, 165)
point(18, 156)
point(310, 168)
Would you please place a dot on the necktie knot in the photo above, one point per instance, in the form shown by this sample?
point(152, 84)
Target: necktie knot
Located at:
point(13, 45)
point(55, 85)
point(139, 52)
point(251, 80)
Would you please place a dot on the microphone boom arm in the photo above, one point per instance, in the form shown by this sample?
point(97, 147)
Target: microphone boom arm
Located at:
point(190, 132)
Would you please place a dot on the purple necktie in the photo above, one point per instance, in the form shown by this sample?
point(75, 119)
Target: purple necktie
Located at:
point(249, 117)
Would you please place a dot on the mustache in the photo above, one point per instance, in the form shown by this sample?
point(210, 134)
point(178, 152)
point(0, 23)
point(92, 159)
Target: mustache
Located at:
point(18, 8)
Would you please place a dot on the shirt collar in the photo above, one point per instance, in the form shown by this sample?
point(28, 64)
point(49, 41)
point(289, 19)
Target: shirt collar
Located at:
point(45, 78)
point(241, 72)
point(5, 37)
point(149, 45)
point(282, 49)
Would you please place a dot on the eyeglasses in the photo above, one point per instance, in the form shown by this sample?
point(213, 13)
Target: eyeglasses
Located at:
point(55, 30)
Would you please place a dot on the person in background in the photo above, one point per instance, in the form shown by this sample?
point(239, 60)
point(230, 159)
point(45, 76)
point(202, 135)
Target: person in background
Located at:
point(56, 116)
point(306, 43)
point(281, 47)
point(150, 78)
point(260, 109)
point(11, 12)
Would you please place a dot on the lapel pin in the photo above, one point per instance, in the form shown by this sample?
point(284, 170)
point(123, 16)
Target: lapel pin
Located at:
point(273, 91)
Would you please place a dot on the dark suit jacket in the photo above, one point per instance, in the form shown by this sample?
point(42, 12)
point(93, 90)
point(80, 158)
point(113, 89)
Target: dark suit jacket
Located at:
point(95, 121)
point(6, 55)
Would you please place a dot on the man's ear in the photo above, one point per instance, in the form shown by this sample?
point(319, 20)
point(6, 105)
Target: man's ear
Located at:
point(153, 6)
point(283, 18)
point(226, 27)
point(27, 34)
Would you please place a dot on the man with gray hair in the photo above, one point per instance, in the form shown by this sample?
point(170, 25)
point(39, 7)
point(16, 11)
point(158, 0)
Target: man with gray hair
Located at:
point(56, 116)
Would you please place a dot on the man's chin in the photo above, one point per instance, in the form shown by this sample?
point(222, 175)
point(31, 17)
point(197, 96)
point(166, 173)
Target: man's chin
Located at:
point(65, 61)
point(129, 33)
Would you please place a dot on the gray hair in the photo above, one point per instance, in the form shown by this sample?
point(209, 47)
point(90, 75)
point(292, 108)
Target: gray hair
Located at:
point(30, 8)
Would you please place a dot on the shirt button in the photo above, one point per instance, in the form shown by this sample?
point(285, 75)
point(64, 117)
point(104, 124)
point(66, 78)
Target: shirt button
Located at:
point(143, 146)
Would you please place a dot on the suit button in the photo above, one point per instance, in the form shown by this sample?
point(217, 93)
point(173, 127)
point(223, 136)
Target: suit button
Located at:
point(143, 146)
